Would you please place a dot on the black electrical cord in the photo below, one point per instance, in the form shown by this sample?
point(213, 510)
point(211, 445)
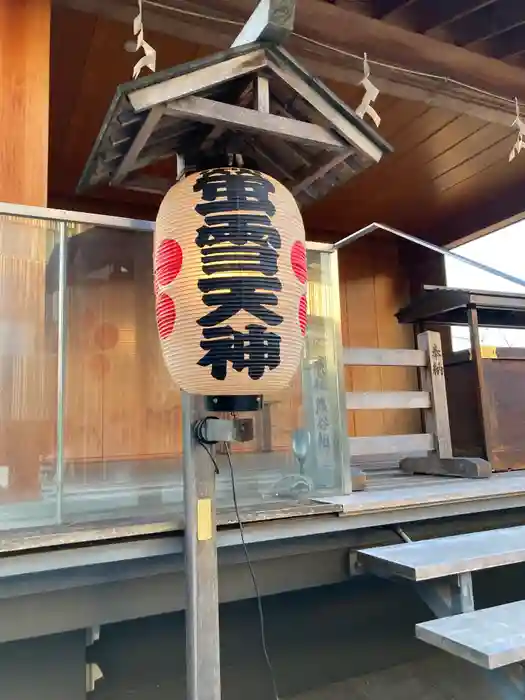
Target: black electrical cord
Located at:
point(262, 624)
point(200, 436)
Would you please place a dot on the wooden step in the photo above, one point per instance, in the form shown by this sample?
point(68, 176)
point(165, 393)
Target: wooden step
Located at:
point(445, 556)
point(490, 638)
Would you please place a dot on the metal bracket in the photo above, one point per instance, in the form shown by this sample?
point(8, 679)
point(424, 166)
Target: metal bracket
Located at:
point(93, 674)
point(451, 596)
point(355, 568)
point(227, 430)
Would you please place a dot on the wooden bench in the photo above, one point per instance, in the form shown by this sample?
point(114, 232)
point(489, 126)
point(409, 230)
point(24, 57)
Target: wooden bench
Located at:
point(441, 570)
point(490, 638)
point(446, 556)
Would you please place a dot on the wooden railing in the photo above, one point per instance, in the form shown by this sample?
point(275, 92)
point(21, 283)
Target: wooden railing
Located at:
point(432, 399)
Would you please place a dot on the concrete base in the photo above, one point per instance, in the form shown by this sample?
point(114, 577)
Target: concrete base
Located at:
point(464, 467)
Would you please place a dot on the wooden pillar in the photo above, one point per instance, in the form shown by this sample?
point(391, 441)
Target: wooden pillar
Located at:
point(25, 33)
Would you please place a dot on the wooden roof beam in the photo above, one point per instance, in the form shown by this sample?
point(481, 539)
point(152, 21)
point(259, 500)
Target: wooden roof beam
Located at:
point(384, 8)
point(487, 21)
point(235, 117)
point(432, 16)
point(356, 33)
point(503, 205)
point(271, 21)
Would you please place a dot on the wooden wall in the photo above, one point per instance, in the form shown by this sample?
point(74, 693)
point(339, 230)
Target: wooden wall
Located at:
point(374, 286)
point(28, 360)
point(120, 400)
point(25, 28)
point(120, 403)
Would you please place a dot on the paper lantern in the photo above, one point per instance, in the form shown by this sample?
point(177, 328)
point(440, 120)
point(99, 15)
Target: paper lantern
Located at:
point(230, 283)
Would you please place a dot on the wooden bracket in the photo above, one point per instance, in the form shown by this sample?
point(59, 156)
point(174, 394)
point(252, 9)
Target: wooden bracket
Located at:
point(272, 21)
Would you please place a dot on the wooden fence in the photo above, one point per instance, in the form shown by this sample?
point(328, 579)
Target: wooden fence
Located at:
point(431, 399)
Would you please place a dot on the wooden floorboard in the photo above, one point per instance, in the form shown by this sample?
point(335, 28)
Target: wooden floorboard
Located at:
point(388, 490)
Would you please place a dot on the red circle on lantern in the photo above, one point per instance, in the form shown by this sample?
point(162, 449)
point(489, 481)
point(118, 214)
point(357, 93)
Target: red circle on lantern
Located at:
point(168, 261)
point(302, 314)
point(298, 260)
point(166, 315)
point(106, 336)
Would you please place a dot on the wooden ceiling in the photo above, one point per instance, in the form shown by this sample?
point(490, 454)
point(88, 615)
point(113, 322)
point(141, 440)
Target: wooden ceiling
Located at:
point(449, 174)
point(493, 28)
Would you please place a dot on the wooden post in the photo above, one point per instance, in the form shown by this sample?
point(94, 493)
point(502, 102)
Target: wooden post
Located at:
point(432, 378)
point(440, 461)
point(264, 429)
point(25, 36)
point(475, 346)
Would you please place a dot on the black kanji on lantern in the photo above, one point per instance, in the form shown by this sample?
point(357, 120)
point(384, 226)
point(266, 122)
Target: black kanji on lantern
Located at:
point(232, 228)
point(230, 258)
point(225, 190)
point(232, 294)
point(256, 350)
point(238, 237)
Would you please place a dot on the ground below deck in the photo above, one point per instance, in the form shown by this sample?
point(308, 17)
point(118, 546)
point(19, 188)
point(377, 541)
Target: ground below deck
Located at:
point(354, 640)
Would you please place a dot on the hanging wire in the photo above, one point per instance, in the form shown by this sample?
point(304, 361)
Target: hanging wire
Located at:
point(348, 54)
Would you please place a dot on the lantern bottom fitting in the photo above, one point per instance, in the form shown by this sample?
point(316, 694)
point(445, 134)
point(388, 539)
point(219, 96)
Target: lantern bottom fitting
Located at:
point(234, 404)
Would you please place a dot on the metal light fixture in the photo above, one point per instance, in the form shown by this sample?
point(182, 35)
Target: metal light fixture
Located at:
point(230, 283)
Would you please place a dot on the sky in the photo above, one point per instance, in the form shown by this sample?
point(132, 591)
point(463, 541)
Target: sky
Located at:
point(505, 251)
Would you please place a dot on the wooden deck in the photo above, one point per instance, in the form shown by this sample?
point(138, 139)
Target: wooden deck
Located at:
point(390, 492)
point(391, 498)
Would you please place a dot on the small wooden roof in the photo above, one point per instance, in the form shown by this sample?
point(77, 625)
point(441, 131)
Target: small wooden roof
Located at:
point(449, 307)
point(254, 100)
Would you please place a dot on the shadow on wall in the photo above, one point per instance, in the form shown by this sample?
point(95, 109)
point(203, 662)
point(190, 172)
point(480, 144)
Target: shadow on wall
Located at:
point(354, 640)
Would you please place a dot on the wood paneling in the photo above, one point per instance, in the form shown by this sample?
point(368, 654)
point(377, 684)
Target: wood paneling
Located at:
point(442, 159)
point(373, 288)
point(120, 401)
point(24, 105)
point(28, 360)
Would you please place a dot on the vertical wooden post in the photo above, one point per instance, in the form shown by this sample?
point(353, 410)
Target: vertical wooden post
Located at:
point(432, 379)
point(475, 345)
point(262, 93)
point(25, 38)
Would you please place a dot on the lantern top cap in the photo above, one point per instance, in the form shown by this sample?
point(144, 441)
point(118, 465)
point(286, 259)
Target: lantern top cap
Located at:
point(255, 100)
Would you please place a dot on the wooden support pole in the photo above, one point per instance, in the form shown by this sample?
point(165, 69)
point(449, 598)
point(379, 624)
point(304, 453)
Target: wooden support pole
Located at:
point(440, 461)
point(477, 358)
point(432, 378)
point(262, 92)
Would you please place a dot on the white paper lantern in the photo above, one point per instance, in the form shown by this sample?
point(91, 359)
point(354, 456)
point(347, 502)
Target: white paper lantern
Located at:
point(230, 283)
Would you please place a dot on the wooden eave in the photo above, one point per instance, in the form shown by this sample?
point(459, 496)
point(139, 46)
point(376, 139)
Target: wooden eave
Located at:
point(209, 106)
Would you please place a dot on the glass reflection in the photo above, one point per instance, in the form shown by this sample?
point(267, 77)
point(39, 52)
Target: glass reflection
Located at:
point(118, 448)
point(28, 373)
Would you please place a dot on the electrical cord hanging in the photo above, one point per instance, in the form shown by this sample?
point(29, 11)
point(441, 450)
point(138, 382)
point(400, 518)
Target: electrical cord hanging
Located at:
point(200, 435)
point(262, 624)
point(342, 52)
point(199, 431)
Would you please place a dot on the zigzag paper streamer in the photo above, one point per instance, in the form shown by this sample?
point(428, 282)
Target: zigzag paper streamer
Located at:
point(371, 94)
point(149, 59)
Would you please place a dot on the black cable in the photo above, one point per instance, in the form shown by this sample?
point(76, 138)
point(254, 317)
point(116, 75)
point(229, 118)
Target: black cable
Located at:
point(200, 436)
point(262, 623)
